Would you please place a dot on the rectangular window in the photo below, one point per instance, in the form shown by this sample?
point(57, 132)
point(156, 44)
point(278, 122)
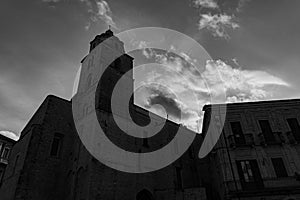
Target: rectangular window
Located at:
point(266, 130)
point(295, 128)
point(5, 152)
point(56, 145)
point(1, 175)
point(237, 131)
point(247, 171)
point(145, 142)
point(179, 177)
point(249, 174)
point(279, 167)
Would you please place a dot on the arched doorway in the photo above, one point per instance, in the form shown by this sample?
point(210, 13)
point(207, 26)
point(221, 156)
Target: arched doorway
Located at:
point(144, 195)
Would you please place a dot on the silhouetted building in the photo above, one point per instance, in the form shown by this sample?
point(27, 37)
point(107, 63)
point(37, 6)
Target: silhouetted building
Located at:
point(258, 154)
point(50, 162)
point(6, 145)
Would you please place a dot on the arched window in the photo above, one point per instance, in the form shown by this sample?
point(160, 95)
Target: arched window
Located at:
point(144, 195)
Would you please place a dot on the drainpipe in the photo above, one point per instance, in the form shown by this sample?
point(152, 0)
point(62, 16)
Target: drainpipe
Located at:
point(231, 167)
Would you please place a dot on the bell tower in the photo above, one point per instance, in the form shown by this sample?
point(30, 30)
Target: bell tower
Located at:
point(107, 62)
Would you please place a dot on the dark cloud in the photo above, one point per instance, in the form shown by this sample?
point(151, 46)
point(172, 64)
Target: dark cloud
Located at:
point(164, 97)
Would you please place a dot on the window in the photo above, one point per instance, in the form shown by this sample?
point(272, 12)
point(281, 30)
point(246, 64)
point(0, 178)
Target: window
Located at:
point(237, 131)
point(295, 128)
point(279, 167)
point(249, 174)
point(145, 142)
point(266, 130)
point(16, 163)
point(179, 177)
point(5, 153)
point(1, 175)
point(247, 171)
point(191, 153)
point(56, 145)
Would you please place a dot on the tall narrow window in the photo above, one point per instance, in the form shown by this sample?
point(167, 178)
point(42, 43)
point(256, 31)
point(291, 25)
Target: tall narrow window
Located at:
point(1, 146)
point(249, 174)
point(145, 140)
point(1, 175)
point(179, 177)
point(5, 152)
point(247, 171)
point(237, 131)
point(16, 163)
point(266, 130)
point(56, 145)
point(279, 167)
point(295, 128)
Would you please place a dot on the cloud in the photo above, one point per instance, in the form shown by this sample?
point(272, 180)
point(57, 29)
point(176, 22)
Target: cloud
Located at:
point(10, 135)
point(217, 24)
point(206, 4)
point(190, 86)
point(241, 5)
point(243, 85)
point(176, 110)
point(97, 10)
point(105, 13)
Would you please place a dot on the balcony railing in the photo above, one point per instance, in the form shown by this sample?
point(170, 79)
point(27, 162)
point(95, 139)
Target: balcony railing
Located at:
point(249, 141)
point(4, 161)
point(273, 138)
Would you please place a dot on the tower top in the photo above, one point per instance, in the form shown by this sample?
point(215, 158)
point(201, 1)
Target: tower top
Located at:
point(100, 38)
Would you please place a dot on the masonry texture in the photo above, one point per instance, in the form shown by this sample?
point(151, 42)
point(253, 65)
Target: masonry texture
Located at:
point(257, 156)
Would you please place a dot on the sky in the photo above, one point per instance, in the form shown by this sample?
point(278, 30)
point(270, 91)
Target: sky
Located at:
point(254, 44)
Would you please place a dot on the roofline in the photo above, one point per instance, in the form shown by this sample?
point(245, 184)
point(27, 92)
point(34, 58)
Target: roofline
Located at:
point(252, 103)
point(8, 139)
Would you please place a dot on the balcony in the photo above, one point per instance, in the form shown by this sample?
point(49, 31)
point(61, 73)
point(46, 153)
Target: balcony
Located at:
point(273, 138)
point(249, 141)
point(3, 161)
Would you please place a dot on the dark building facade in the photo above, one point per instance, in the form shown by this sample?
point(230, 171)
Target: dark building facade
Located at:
point(6, 145)
point(50, 162)
point(257, 155)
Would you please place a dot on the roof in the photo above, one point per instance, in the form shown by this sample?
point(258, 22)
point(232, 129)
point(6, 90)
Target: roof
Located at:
point(280, 102)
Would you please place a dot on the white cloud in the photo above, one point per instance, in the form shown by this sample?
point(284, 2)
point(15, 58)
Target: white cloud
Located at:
point(97, 10)
point(217, 24)
point(206, 4)
point(105, 13)
point(244, 85)
point(9, 134)
point(191, 87)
